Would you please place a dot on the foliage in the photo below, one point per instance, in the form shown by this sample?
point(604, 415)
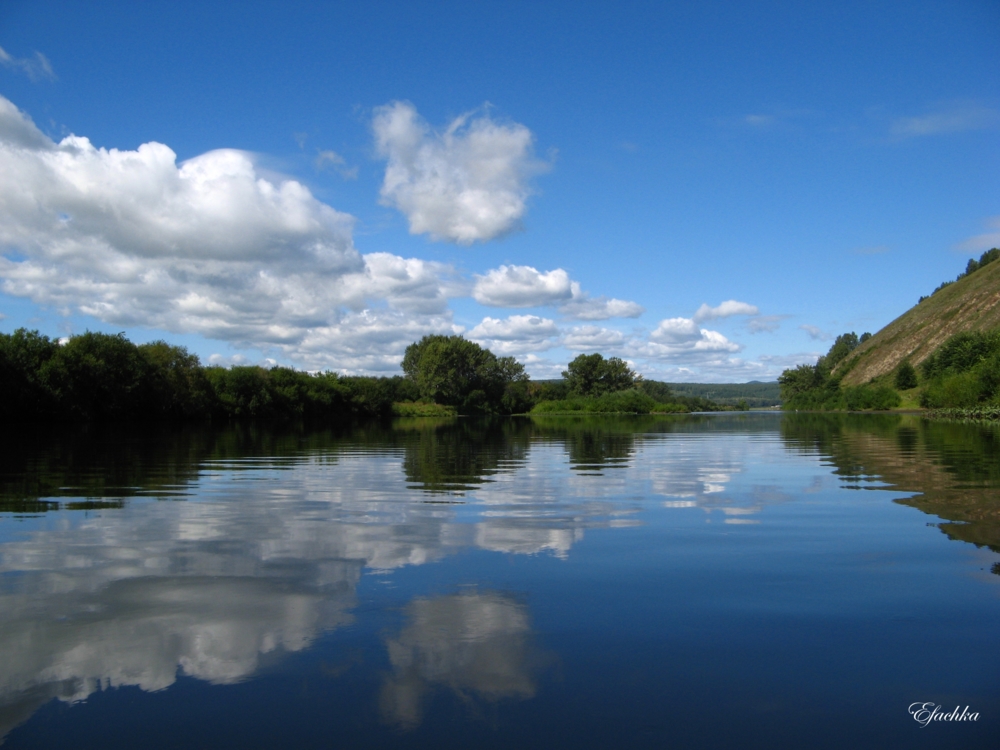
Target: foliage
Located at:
point(964, 372)
point(98, 377)
point(421, 409)
point(548, 390)
point(844, 345)
point(632, 401)
point(593, 375)
point(906, 377)
point(657, 390)
point(453, 371)
point(815, 387)
point(961, 352)
point(864, 397)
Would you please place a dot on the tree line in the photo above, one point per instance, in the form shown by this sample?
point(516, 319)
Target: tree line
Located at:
point(106, 377)
point(964, 373)
point(818, 387)
point(971, 267)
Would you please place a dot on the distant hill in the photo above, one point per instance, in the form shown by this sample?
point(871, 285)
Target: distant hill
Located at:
point(755, 393)
point(971, 303)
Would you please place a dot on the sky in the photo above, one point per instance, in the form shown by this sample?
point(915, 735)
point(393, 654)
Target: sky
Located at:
point(711, 191)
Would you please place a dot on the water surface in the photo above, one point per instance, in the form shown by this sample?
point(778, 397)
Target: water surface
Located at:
point(752, 580)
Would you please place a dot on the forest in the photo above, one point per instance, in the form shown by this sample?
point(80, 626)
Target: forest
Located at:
point(100, 377)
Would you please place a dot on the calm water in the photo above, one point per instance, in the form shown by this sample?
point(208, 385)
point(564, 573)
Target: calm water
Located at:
point(740, 581)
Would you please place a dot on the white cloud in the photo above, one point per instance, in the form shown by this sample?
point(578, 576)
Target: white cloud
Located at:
point(516, 334)
point(956, 118)
point(816, 334)
point(333, 160)
point(676, 330)
point(522, 286)
point(594, 338)
point(682, 339)
point(985, 241)
point(469, 183)
point(540, 368)
point(765, 323)
point(36, 68)
point(208, 246)
point(584, 307)
point(515, 327)
point(782, 362)
point(726, 309)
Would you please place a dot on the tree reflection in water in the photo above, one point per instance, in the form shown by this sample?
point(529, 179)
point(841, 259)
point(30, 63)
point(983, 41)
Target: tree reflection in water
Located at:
point(952, 468)
point(276, 529)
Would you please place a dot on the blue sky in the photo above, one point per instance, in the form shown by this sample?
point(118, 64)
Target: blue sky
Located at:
point(710, 190)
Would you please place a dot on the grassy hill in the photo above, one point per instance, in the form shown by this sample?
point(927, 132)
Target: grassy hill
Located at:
point(972, 303)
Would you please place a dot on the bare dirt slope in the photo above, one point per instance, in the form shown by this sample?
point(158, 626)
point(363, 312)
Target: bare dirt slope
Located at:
point(970, 304)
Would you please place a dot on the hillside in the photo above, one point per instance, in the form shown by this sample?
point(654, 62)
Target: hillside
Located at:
point(972, 303)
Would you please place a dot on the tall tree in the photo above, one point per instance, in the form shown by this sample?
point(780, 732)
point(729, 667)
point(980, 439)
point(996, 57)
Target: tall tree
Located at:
point(453, 371)
point(593, 375)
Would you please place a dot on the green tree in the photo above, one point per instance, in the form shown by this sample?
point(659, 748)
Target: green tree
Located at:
point(844, 345)
point(906, 377)
point(96, 376)
point(593, 375)
point(453, 371)
point(174, 382)
point(22, 356)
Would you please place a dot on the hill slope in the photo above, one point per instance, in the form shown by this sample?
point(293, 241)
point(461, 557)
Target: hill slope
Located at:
point(972, 303)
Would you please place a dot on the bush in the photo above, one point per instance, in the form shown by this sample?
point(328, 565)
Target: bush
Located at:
point(865, 397)
point(632, 401)
point(957, 391)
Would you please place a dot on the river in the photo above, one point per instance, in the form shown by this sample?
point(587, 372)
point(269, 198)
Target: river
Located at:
point(705, 581)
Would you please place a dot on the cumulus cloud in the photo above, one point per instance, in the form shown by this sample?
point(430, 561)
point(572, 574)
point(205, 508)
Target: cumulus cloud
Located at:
point(468, 183)
point(208, 246)
point(682, 338)
point(522, 286)
point(727, 309)
point(956, 118)
point(525, 286)
point(584, 307)
point(516, 334)
point(37, 67)
point(594, 338)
